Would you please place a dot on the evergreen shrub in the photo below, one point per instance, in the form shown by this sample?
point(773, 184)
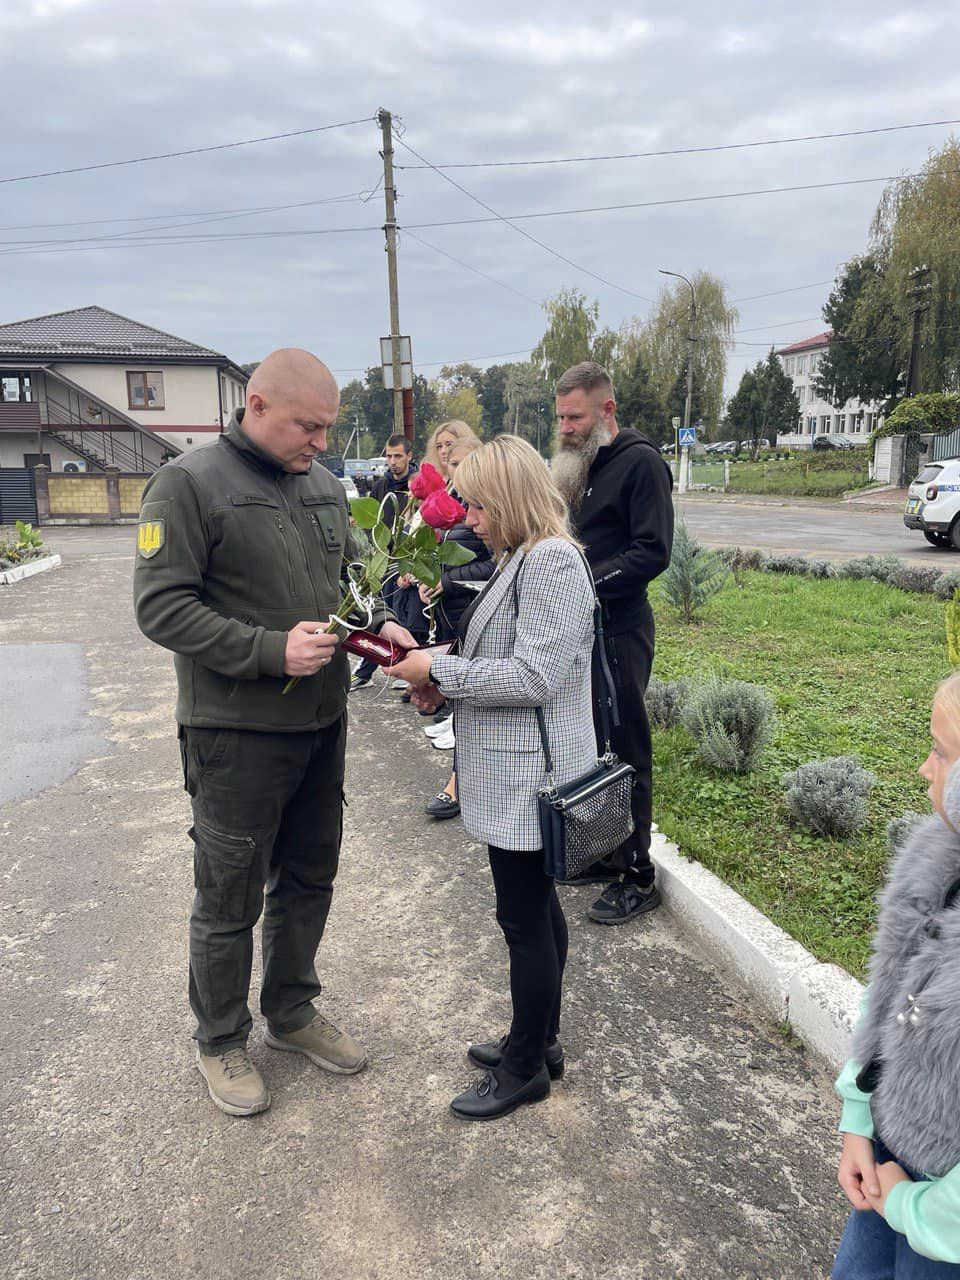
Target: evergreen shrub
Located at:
point(693, 575)
point(830, 797)
point(899, 831)
point(730, 721)
point(665, 700)
point(911, 577)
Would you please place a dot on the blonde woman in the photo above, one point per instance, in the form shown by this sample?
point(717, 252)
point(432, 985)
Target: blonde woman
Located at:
point(526, 642)
point(442, 440)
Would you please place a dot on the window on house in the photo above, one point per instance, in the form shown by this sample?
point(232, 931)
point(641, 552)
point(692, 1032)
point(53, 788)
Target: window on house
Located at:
point(145, 390)
point(801, 364)
point(825, 424)
point(15, 387)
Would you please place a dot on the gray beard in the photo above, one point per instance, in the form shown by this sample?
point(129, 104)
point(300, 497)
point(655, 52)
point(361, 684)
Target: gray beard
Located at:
point(570, 467)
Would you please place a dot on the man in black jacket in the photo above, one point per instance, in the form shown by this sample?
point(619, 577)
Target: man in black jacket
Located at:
point(395, 483)
point(619, 491)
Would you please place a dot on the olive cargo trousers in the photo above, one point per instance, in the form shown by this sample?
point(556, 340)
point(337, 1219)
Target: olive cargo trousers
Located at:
point(267, 822)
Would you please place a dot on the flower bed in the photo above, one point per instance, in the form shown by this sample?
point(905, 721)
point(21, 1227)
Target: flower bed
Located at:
point(851, 665)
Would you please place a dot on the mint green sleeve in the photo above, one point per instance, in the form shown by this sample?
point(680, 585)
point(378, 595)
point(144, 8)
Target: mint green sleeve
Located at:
point(928, 1214)
point(855, 1116)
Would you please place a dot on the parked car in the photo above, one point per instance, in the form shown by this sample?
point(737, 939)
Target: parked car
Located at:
point(933, 503)
point(349, 487)
point(832, 442)
point(724, 446)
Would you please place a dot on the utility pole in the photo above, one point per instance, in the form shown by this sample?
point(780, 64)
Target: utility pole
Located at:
point(385, 120)
point(684, 466)
point(919, 292)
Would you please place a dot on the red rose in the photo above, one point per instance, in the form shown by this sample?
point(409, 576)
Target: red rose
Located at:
point(440, 511)
point(427, 480)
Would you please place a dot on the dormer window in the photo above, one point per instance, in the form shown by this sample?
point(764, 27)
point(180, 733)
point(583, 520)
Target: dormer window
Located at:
point(145, 390)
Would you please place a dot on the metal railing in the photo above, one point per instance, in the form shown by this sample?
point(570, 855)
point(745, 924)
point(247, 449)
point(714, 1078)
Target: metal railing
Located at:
point(97, 446)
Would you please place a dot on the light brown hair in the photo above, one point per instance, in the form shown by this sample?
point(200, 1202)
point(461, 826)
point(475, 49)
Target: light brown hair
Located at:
point(586, 376)
point(509, 479)
point(457, 430)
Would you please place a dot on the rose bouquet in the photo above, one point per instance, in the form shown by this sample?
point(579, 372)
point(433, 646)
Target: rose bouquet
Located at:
point(388, 547)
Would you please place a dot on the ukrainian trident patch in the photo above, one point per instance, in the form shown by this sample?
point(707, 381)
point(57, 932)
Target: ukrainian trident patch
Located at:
point(151, 535)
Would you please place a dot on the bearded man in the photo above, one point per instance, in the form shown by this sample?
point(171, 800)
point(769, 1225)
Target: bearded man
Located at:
point(618, 488)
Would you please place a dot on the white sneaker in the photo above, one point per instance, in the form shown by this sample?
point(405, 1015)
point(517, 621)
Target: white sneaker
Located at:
point(444, 741)
point(438, 727)
point(400, 684)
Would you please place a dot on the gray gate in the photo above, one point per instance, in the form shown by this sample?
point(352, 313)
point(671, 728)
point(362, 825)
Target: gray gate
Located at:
point(18, 496)
point(945, 446)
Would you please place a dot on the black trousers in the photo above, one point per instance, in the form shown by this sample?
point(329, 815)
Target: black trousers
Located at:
point(630, 656)
point(533, 924)
point(267, 822)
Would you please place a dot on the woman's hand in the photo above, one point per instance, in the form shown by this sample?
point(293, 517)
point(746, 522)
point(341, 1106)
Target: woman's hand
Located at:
point(398, 635)
point(888, 1175)
point(857, 1174)
point(427, 697)
point(429, 593)
point(415, 668)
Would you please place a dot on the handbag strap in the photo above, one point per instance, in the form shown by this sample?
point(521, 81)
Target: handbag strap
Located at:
point(607, 699)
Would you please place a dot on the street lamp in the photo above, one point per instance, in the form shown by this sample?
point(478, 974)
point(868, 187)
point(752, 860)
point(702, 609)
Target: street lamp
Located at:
point(692, 338)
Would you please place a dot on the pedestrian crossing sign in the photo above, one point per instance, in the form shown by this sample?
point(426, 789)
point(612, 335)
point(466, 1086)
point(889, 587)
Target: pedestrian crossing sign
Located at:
point(688, 436)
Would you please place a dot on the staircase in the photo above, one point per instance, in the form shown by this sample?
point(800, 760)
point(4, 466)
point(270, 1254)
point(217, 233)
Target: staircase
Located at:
point(101, 448)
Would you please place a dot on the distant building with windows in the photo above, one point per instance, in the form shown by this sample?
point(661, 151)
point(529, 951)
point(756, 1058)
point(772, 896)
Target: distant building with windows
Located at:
point(818, 417)
point(89, 390)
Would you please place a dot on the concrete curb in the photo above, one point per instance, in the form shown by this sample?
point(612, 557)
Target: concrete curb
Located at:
point(9, 576)
point(818, 1001)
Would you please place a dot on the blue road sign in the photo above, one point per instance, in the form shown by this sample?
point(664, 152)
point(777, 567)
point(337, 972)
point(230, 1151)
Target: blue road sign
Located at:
point(688, 436)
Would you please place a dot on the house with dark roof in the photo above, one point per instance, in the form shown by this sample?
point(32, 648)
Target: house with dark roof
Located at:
point(855, 419)
point(90, 390)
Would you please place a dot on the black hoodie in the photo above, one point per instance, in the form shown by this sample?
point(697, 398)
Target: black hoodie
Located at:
point(625, 522)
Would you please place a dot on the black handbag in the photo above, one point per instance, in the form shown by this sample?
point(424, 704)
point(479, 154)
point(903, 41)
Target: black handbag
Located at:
point(584, 820)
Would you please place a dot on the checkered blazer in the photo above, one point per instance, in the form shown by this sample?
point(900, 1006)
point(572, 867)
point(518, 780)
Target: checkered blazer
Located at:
point(522, 651)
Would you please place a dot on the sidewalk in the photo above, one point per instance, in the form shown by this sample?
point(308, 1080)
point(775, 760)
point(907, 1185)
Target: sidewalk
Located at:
point(688, 1140)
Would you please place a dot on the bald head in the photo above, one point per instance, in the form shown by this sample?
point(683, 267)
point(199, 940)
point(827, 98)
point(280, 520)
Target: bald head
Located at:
point(292, 401)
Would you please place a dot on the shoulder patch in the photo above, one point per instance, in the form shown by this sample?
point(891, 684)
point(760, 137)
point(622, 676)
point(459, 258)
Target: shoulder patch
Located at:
point(151, 535)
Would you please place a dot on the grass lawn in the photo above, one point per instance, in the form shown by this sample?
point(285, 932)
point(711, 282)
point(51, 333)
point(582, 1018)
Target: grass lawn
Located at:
point(852, 667)
point(822, 475)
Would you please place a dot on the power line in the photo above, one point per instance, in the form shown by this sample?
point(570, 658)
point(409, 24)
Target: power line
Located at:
point(476, 270)
point(779, 324)
point(680, 151)
point(161, 241)
point(650, 204)
point(816, 284)
point(195, 221)
point(436, 364)
point(499, 217)
point(192, 151)
point(195, 213)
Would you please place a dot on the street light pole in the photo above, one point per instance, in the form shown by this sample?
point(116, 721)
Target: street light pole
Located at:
point(684, 466)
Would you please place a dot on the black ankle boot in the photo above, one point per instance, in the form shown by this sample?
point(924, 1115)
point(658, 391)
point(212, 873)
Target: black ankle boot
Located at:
point(488, 1100)
point(489, 1055)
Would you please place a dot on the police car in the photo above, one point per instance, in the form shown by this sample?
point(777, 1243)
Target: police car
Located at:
point(933, 503)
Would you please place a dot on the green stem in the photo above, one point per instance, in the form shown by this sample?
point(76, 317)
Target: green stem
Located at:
point(329, 630)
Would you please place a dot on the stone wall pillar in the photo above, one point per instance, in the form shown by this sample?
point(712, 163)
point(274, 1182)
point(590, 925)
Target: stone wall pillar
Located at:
point(40, 474)
point(113, 492)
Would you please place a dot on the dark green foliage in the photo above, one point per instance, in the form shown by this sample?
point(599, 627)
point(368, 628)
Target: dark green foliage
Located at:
point(864, 361)
point(693, 575)
point(764, 405)
point(638, 404)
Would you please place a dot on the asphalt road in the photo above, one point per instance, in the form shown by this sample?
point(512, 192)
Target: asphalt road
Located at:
point(689, 1139)
point(833, 531)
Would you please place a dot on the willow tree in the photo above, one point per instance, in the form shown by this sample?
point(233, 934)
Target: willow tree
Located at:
point(917, 224)
point(663, 339)
point(572, 334)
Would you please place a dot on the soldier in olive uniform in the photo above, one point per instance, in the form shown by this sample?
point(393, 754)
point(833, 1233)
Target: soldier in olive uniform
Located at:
point(240, 554)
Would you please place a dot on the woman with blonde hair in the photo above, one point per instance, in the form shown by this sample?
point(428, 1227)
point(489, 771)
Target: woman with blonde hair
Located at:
point(442, 439)
point(525, 643)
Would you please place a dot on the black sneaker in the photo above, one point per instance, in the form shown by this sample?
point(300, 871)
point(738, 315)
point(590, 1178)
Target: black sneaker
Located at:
point(596, 873)
point(442, 806)
point(621, 901)
point(358, 682)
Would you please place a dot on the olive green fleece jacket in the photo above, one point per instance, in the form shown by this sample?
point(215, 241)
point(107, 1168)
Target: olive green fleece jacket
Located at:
point(232, 552)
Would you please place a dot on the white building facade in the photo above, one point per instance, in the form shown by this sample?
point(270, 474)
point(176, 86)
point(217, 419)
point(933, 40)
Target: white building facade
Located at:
point(818, 417)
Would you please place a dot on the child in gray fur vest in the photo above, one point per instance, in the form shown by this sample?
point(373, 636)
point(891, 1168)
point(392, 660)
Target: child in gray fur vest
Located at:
point(900, 1166)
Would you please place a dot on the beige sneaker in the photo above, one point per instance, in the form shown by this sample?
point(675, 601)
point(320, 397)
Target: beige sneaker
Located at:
point(324, 1044)
point(235, 1084)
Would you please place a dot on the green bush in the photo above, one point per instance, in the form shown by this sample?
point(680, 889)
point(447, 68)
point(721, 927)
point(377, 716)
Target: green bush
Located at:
point(730, 721)
point(693, 574)
point(909, 577)
point(899, 831)
point(665, 700)
point(830, 797)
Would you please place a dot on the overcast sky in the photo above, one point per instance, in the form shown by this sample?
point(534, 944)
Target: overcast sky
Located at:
point(88, 81)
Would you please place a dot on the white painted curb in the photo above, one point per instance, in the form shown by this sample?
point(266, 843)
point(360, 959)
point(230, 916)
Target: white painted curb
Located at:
point(27, 570)
point(819, 1001)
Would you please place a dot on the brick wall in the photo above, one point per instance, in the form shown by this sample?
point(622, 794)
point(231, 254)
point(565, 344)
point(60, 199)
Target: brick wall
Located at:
point(79, 494)
point(131, 491)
